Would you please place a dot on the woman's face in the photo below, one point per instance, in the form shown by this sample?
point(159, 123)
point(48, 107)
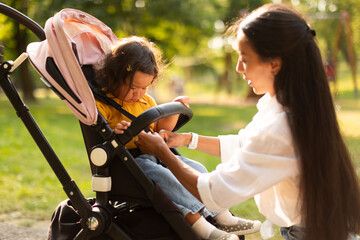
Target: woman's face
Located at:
point(258, 74)
point(141, 82)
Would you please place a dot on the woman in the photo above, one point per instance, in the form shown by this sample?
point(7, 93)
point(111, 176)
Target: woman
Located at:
point(291, 157)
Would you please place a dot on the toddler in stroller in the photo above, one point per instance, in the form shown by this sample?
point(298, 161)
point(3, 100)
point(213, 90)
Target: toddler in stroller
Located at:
point(124, 75)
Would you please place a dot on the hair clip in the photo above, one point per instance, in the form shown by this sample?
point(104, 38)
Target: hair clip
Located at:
point(313, 32)
point(128, 68)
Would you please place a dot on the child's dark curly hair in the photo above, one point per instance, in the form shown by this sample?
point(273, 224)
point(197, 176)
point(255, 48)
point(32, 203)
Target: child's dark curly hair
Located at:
point(132, 54)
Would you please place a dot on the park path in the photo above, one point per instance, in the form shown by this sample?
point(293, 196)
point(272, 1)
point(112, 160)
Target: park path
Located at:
point(13, 230)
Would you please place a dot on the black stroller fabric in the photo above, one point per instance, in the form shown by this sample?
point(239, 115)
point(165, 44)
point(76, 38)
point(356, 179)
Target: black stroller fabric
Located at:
point(137, 221)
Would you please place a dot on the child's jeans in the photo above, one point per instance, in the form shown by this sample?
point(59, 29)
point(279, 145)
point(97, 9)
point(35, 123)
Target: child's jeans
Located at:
point(163, 177)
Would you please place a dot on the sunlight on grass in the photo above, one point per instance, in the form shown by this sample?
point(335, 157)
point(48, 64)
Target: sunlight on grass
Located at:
point(350, 123)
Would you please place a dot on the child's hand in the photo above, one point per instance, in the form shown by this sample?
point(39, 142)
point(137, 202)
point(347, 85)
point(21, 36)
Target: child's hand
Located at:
point(121, 127)
point(183, 99)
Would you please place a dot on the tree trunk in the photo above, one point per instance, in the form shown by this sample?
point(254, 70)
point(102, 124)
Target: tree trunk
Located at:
point(21, 43)
point(224, 79)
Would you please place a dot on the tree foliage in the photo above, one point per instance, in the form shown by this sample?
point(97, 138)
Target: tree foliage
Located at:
point(183, 29)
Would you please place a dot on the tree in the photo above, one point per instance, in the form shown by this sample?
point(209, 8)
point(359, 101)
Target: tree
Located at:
point(235, 10)
point(179, 27)
point(343, 35)
point(17, 36)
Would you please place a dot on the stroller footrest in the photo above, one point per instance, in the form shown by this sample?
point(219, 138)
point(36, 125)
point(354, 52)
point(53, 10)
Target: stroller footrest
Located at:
point(101, 184)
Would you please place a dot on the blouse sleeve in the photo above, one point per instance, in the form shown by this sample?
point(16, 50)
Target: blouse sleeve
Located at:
point(264, 160)
point(228, 143)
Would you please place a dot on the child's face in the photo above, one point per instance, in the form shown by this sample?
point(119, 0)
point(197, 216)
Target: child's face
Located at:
point(137, 90)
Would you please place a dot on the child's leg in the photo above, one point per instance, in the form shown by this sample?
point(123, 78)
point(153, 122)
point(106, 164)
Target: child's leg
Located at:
point(169, 184)
point(186, 202)
point(194, 164)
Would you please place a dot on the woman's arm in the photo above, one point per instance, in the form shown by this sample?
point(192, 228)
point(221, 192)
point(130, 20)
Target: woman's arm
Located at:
point(153, 144)
point(210, 145)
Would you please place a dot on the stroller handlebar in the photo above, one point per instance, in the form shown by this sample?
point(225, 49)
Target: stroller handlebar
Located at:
point(154, 114)
point(24, 20)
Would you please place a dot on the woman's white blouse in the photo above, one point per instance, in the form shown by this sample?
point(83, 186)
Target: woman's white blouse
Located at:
point(259, 162)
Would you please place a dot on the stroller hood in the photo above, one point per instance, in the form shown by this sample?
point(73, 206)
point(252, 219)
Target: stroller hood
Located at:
point(73, 39)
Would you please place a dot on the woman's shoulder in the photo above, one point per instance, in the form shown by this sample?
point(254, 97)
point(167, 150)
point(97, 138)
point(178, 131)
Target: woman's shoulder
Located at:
point(276, 126)
point(273, 136)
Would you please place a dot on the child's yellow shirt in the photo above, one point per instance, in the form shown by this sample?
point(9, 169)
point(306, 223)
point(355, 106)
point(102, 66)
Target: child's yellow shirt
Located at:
point(113, 116)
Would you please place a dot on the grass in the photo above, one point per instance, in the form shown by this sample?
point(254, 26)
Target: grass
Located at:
point(30, 189)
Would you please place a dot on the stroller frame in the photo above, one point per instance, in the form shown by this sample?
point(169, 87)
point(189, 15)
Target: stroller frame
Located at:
point(98, 219)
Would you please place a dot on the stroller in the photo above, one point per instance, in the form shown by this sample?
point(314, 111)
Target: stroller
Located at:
point(127, 204)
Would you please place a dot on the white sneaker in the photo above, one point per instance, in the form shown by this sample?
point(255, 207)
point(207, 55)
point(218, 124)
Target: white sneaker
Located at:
point(243, 227)
point(221, 235)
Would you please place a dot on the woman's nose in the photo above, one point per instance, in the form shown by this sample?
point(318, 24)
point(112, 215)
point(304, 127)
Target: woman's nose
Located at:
point(239, 67)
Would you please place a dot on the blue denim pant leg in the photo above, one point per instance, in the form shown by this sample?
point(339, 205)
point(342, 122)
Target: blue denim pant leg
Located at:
point(163, 177)
point(201, 168)
point(196, 165)
point(292, 233)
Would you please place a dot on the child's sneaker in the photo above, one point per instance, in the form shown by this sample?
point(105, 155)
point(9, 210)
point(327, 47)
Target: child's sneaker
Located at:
point(222, 235)
point(243, 227)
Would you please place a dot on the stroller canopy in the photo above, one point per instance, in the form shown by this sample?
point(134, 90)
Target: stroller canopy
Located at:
point(73, 38)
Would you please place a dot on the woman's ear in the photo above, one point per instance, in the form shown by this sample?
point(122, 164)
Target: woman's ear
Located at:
point(275, 65)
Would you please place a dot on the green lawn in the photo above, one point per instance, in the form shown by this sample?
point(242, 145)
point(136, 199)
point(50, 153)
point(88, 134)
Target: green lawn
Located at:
point(29, 188)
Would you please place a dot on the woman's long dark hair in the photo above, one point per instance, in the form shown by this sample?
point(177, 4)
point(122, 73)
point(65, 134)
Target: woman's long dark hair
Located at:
point(130, 55)
point(330, 195)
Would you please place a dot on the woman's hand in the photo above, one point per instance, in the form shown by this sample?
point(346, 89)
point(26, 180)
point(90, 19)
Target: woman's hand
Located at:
point(175, 140)
point(183, 99)
point(121, 127)
point(151, 143)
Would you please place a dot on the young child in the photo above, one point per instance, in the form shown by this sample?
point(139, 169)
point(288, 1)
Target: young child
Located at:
point(125, 74)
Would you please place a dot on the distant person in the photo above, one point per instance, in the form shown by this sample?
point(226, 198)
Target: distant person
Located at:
point(177, 85)
point(330, 70)
point(291, 157)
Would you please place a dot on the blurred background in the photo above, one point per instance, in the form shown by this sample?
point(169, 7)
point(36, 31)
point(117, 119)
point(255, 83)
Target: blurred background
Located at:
point(201, 65)
point(191, 35)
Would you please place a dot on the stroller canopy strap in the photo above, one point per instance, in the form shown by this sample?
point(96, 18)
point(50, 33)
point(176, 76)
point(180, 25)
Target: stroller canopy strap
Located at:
point(73, 38)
